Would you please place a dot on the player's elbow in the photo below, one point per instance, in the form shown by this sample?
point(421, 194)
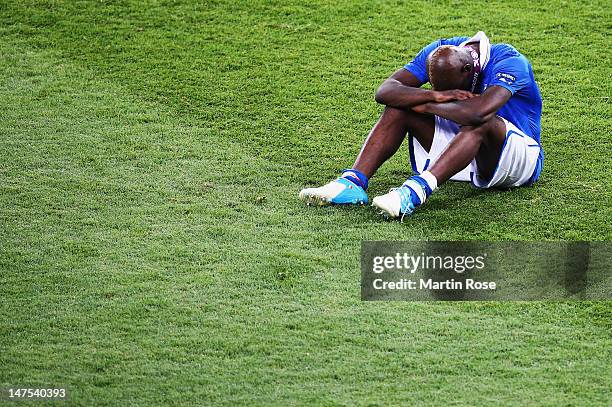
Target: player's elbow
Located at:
point(381, 94)
point(478, 118)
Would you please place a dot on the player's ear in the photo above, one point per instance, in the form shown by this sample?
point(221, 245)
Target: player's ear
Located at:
point(467, 68)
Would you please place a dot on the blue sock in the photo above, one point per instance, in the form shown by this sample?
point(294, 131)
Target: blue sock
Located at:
point(422, 186)
point(356, 177)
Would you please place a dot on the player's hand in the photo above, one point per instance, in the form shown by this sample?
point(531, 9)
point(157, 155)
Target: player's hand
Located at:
point(450, 95)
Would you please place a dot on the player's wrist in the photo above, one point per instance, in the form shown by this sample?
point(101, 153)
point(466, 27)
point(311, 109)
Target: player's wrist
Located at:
point(436, 96)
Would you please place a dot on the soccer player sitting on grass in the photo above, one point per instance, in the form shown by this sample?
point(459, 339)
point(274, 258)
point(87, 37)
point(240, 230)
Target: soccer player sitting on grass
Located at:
point(480, 122)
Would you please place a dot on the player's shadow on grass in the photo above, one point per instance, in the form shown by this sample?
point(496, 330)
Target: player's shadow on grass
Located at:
point(462, 194)
point(455, 195)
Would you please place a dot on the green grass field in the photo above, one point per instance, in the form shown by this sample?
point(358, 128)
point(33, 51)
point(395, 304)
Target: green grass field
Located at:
point(152, 247)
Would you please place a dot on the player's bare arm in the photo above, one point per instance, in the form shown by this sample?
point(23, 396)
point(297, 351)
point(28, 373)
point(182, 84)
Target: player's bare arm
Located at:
point(470, 112)
point(403, 90)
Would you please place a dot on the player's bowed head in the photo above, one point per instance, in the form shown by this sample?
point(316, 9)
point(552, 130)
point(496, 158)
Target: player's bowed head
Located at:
point(450, 67)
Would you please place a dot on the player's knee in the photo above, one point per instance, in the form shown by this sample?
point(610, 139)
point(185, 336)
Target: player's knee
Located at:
point(394, 113)
point(479, 132)
point(494, 128)
point(487, 128)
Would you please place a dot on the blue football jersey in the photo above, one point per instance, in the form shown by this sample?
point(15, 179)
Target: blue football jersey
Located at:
point(506, 67)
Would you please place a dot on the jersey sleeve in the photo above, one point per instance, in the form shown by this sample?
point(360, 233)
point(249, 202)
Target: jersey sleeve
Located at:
point(511, 73)
point(418, 66)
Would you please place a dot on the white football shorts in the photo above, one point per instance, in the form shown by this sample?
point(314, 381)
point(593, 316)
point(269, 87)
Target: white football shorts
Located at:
point(520, 162)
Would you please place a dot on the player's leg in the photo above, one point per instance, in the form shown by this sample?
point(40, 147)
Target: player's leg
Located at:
point(483, 143)
point(519, 162)
point(382, 142)
point(388, 134)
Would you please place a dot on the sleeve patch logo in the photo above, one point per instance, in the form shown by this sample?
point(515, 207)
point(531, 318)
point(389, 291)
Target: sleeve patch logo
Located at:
point(506, 77)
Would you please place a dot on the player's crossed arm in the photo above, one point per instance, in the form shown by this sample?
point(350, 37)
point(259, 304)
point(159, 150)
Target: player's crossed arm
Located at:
point(469, 112)
point(403, 91)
